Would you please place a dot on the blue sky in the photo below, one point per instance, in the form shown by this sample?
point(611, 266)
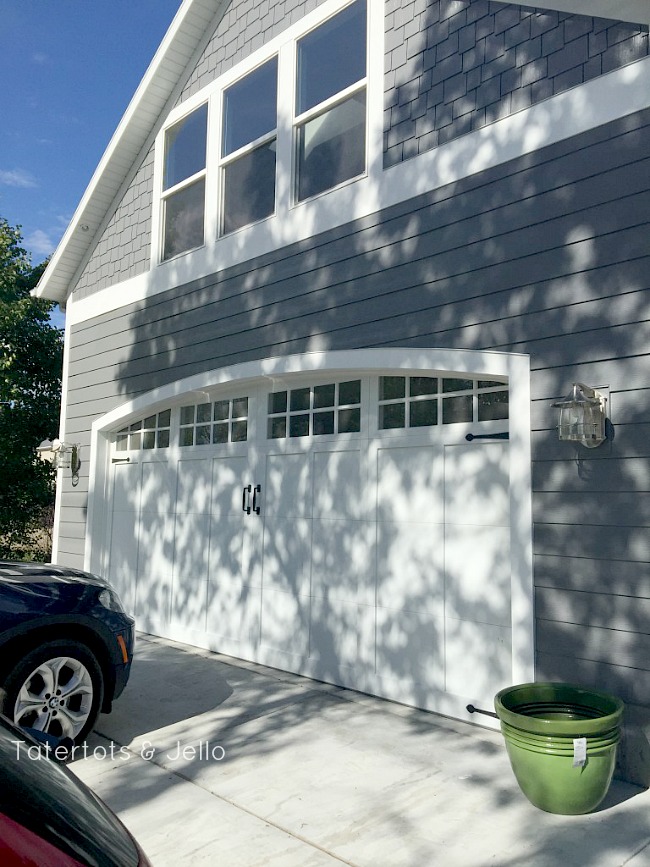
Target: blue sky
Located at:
point(68, 70)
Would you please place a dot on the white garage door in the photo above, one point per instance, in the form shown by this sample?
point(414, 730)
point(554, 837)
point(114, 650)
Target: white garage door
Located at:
point(355, 529)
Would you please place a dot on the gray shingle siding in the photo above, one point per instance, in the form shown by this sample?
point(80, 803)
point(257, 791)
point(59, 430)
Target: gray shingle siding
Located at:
point(453, 66)
point(246, 26)
point(123, 251)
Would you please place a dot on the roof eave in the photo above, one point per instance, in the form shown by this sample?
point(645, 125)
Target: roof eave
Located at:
point(183, 38)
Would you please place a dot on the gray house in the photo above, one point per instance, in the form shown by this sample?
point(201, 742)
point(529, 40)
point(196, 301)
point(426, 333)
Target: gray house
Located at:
point(337, 264)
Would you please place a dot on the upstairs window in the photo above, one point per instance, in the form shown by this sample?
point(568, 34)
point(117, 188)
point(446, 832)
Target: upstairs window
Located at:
point(330, 118)
point(236, 159)
point(248, 147)
point(184, 184)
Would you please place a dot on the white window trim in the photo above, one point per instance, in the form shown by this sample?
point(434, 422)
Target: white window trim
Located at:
point(287, 209)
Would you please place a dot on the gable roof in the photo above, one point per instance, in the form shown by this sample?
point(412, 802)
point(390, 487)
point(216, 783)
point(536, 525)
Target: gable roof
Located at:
point(188, 34)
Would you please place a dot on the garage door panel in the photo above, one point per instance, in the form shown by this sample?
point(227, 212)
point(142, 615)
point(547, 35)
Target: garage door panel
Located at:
point(477, 567)
point(229, 475)
point(227, 563)
point(478, 659)
point(126, 487)
point(155, 568)
point(342, 558)
point(194, 486)
point(410, 485)
point(285, 622)
point(123, 554)
point(477, 484)
point(188, 604)
point(338, 485)
point(410, 648)
point(287, 555)
point(158, 488)
point(342, 636)
point(233, 610)
point(288, 489)
point(410, 567)
point(191, 546)
point(153, 598)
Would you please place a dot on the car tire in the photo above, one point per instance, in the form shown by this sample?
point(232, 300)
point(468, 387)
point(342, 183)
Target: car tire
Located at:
point(56, 688)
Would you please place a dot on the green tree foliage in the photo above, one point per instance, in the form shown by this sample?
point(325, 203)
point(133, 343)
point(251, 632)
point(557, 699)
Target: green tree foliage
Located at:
point(31, 353)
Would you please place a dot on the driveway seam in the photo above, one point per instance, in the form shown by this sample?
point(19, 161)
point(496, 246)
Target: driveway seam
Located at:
point(176, 773)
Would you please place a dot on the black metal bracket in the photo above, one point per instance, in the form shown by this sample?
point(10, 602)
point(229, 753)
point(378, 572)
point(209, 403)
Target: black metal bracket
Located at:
point(120, 460)
point(246, 499)
point(471, 709)
point(257, 490)
point(494, 436)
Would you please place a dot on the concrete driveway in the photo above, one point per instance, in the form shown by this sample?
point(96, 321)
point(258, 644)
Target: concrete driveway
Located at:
point(212, 761)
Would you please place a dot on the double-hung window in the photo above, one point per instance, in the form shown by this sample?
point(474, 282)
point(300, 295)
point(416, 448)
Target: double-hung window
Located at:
point(297, 115)
point(184, 183)
point(248, 147)
point(330, 120)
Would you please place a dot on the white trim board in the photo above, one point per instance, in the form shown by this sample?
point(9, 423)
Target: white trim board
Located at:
point(600, 101)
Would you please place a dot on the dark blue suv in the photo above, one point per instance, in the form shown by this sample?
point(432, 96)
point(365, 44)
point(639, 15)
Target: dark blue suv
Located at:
point(66, 646)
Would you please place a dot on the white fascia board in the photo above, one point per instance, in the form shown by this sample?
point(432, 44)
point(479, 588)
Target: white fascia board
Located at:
point(635, 11)
point(185, 33)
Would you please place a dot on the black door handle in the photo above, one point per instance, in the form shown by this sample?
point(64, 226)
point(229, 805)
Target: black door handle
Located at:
point(246, 499)
point(256, 491)
point(495, 436)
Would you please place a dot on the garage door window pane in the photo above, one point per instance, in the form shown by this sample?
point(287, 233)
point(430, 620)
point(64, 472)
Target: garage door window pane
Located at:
point(423, 413)
point(239, 432)
point(299, 425)
point(300, 398)
point(392, 387)
point(323, 423)
point(419, 385)
point(349, 421)
point(350, 392)
point(220, 433)
point(493, 406)
point(324, 395)
point(392, 415)
point(457, 409)
point(214, 423)
point(277, 428)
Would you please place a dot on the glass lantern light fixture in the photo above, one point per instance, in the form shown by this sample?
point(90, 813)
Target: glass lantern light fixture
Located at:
point(61, 455)
point(582, 416)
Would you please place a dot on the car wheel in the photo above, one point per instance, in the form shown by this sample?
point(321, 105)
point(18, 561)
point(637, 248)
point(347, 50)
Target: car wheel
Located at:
point(56, 688)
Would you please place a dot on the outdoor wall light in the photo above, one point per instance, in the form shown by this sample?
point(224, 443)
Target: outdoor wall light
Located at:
point(64, 456)
point(582, 416)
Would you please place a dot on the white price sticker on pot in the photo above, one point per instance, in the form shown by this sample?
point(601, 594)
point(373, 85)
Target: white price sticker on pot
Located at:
point(579, 752)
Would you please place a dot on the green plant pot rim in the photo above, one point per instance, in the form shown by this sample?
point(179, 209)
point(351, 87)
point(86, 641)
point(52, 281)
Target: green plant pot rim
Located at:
point(548, 708)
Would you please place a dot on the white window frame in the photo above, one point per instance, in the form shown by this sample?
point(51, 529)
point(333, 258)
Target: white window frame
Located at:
point(289, 214)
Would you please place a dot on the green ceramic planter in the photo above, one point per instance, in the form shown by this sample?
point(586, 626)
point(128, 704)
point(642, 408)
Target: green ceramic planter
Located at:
point(539, 722)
